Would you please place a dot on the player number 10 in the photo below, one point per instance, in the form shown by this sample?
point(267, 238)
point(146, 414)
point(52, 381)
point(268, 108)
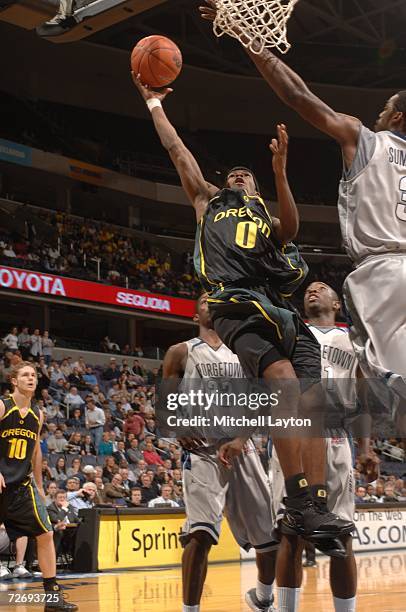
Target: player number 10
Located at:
point(18, 448)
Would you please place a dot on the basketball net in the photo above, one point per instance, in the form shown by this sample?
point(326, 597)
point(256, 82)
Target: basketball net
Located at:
point(257, 24)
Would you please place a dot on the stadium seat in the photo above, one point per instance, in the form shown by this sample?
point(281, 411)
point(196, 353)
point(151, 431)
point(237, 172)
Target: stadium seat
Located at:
point(27, 14)
point(91, 17)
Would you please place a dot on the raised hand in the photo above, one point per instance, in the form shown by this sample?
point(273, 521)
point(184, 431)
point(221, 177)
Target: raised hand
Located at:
point(279, 148)
point(209, 10)
point(146, 92)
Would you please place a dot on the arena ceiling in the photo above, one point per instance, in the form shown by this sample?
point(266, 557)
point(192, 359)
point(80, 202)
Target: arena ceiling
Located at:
point(359, 43)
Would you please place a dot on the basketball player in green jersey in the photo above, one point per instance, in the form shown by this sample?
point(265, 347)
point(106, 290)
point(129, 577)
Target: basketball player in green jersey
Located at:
point(22, 506)
point(244, 259)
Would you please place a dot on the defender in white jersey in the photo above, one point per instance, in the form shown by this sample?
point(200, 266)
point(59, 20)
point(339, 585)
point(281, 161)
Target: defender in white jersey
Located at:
point(339, 369)
point(372, 208)
point(210, 489)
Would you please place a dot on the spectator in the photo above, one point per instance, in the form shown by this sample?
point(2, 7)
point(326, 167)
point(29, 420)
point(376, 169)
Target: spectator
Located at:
point(46, 471)
point(134, 454)
point(127, 482)
point(62, 514)
point(134, 423)
point(151, 457)
point(58, 390)
point(95, 420)
point(98, 481)
point(47, 346)
point(58, 443)
point(72, 484)
point(88, 447)
point(112, 373)
point(51, 490)
point(36, 344)
point(137, 369)
point(148, 490)
point(86, 497)
point(90, 378)
point(139, 469)
point(370, 496)
point(98, 396)
point(177, 493)
point(390, 496)
point(115, 493)
point(24, 342)
point(76, 379)
point(120, 454)
point(77, 421)
point(90, 473)
point(80, 364)
point(73, 399)
point(66, 367)
point(164, 499)
point(74, 443)
point(110, 468)
point(379, 492)
point(44, 442)
point(106, 445)
point(11, 340)
point(59, 471)
point(76, 470)
point(136, 499)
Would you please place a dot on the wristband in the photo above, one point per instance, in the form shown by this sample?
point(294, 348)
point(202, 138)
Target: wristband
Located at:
point(153, 103)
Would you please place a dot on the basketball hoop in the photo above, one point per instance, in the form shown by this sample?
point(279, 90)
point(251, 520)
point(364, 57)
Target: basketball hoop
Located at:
point(257, 24)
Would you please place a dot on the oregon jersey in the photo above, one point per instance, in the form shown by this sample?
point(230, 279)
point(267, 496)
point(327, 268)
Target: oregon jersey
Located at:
point(235, 241)
point(18, 436)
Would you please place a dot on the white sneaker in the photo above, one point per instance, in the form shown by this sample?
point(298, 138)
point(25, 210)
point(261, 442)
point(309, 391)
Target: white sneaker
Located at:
point(65, 11)
point(254, 603)
point(5, 573)
point(21, 572)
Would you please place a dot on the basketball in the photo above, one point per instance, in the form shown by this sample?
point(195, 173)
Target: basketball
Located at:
point(157, 60)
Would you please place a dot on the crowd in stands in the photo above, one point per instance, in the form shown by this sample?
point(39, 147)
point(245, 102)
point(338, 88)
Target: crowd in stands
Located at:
point(98, 252)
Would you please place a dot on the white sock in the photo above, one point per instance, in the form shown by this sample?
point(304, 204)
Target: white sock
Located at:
point(264, 592)
point(288, 599)
point(345, 605)
point(186, 608)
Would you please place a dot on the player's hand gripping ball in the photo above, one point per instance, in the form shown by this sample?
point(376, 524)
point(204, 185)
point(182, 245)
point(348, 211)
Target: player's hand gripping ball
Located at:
point(157, 61)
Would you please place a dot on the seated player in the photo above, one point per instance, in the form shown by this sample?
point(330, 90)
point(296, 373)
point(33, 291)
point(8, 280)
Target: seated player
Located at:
point(244, 259)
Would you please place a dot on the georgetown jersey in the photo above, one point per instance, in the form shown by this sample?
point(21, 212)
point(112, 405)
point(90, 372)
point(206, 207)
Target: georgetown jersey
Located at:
point(235, 241)
point(338, 363)
point(203, 361)
point(372, 196)
point(18, 436)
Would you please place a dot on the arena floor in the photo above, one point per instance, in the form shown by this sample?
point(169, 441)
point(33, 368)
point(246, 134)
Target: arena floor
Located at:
point(382, 586)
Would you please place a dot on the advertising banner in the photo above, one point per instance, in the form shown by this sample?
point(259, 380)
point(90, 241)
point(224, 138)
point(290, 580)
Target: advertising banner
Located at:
point(60, 286)
point(15, 153)
point(152, 541)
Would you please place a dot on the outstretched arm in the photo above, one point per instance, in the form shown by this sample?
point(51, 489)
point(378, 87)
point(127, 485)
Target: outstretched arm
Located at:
point(197, 189)
point(286, 226)
point(293, 91)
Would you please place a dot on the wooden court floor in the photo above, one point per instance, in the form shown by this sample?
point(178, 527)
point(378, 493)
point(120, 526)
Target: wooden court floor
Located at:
point(382, 586)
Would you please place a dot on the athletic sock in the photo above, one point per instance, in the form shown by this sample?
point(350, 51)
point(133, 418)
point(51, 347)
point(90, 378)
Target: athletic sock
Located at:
point(345, 605)
point(297, 490)
point(186, 608)
point(288, 599)
point(50, 584)
point(264, 592)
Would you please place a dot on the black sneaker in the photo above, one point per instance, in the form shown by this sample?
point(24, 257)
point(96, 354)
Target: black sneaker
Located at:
point(56, 601)
point(332, 547)
point(312, 524)
point(309, 563)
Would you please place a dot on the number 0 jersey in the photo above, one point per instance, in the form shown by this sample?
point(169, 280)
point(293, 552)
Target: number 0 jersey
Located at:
point(372, 198)
point(235, 243)
point(18, 436)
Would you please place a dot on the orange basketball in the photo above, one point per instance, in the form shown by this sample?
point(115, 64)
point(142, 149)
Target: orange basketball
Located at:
point(157, 59)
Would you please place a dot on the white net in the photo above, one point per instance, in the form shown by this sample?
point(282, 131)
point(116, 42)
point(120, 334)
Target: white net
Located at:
point(257, 24)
